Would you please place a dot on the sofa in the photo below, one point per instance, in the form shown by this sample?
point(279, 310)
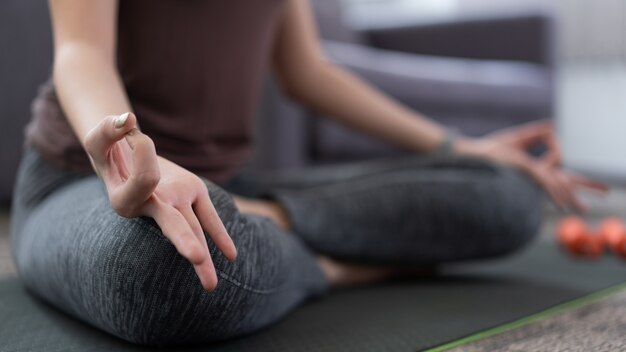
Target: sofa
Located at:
point(26, 54)
point(476, 74)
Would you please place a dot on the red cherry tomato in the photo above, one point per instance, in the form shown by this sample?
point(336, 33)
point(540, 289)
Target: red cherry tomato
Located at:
point(571, 232)
point(620, 248)
point(613, 231)
point(574, 235)
point(593, 246)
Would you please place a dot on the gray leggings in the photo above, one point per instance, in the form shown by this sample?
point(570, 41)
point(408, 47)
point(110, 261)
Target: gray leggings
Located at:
point(123, 276)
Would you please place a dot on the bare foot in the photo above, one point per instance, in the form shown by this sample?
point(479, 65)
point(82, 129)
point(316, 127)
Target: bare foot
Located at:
point(272, 210)
point(344, 274)
point(340, 274)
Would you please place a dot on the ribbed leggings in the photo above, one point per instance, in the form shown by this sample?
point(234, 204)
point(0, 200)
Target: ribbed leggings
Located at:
point(123, 276)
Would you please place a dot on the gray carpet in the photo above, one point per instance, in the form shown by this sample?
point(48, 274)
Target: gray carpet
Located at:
point(593, 324)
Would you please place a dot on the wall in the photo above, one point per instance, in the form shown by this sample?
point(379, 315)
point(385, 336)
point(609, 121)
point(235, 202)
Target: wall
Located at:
point(589, 29)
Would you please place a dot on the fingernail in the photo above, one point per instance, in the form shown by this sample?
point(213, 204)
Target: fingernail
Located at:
point(121, 120)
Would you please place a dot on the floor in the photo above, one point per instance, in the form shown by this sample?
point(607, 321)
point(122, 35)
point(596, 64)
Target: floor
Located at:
point(6, 264)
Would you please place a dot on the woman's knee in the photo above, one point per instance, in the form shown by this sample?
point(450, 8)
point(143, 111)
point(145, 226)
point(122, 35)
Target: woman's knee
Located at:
point(146, 293)
point(513, 212)
point(151, 295)
point(123, 275)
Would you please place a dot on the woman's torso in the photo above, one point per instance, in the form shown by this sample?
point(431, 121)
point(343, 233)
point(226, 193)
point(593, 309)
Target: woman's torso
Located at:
point(192, 70)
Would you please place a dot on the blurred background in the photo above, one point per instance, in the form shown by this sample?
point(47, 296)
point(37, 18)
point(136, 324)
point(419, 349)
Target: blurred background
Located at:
point(474, 65)
point(590, 75)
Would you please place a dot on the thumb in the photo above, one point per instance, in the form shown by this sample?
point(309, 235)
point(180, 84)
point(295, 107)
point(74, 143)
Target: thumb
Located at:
point(553, 155)
point(533, 133)
point(106, 133)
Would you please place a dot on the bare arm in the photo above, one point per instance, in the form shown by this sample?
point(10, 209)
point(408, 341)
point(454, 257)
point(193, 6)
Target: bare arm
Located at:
point(307, 77)
point(85, 76)
point(138, 181)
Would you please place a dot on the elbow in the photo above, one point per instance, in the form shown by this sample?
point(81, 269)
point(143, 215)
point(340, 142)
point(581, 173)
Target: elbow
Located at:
point(292, 87)
point(299, 82)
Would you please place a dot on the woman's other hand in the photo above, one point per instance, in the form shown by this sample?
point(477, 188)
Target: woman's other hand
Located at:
point(510, 147)
point(140, 183)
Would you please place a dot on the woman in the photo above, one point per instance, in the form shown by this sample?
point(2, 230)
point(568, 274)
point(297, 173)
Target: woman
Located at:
point(137, 248)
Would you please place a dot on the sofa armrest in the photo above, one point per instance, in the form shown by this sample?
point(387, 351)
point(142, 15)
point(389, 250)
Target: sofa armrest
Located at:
point(521, 37)
point(425, 82)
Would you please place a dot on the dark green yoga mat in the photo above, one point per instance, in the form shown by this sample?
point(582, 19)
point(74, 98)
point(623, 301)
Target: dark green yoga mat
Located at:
point(401, 316)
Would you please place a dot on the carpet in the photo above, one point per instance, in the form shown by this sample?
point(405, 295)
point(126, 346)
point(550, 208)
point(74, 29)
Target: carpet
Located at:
point(591, 323)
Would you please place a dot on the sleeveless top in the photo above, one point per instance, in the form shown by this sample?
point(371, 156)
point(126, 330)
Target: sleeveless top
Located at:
point(192, 70)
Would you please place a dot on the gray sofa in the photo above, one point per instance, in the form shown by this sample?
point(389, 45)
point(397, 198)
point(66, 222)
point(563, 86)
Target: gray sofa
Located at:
point(25, 57)
point(477, 74)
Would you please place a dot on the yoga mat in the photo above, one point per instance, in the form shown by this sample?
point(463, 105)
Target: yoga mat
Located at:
point(399, 316)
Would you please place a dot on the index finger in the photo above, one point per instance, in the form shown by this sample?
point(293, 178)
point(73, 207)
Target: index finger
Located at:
point(553, 154)
point(145, 174)
point(106, 133)
point(532, 133)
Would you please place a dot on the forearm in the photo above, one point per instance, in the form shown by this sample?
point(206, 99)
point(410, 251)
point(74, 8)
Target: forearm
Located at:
point(88, 86)
point(338, 93)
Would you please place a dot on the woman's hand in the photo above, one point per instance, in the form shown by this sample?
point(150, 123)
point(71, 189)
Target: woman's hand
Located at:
point(140, 183)
point(510, 147)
